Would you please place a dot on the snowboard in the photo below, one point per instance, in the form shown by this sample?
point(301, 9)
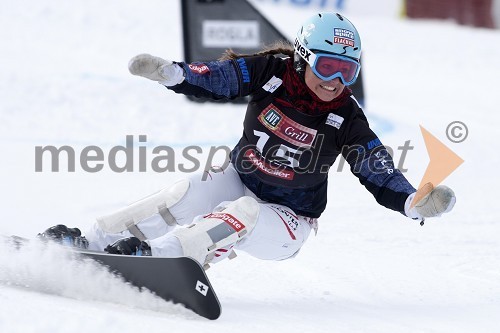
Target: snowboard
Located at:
point(179, 280)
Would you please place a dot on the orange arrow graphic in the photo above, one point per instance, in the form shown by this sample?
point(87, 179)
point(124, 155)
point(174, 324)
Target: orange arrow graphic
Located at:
point(442, 162)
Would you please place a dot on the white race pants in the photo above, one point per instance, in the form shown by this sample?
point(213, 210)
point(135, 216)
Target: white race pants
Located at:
point(278, 234)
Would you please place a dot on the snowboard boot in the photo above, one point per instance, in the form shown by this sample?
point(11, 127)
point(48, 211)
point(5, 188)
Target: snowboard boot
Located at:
point(130, 246)
point(66, 236)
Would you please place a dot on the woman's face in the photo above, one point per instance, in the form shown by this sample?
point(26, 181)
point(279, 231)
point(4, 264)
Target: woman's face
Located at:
point(325, 90)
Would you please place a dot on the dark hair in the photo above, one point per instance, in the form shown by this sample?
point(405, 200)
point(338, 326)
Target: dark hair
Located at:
point(284, 48)
point(279, 47)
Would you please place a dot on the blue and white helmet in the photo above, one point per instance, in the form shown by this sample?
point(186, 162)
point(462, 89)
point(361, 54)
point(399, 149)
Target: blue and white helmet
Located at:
point(329, 34)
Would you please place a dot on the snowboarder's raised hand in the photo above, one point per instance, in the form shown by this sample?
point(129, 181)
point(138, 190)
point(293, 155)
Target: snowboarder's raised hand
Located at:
point(430, 201)
point(157, 69)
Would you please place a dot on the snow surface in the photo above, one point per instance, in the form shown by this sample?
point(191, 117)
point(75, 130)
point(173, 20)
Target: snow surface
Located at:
point(64, 81)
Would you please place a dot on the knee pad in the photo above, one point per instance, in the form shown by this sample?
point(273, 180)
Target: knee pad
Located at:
point(158, 203)
point(218, 229)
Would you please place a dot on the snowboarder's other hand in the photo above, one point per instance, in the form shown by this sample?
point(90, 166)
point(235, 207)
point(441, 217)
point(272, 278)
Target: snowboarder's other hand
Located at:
point(430, 201)
point(130, 246)
point(156, 69)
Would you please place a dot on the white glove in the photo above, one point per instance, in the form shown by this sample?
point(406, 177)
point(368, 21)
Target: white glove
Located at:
point(430, 202)
point(156, 69)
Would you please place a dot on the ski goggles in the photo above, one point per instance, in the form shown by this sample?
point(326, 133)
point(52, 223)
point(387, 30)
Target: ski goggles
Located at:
point(329, 66)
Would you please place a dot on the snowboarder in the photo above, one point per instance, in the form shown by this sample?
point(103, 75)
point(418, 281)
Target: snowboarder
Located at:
point(266, 201)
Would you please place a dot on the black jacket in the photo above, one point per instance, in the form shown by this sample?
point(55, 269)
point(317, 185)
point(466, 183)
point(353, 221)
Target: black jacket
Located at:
point(284, 154)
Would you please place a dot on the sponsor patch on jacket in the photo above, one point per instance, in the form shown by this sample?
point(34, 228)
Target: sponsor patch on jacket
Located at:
point(268, 169)
point(286, 128)
point(273, 84)
point(334, 120)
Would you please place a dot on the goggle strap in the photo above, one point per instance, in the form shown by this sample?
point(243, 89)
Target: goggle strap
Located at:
point(304, 52)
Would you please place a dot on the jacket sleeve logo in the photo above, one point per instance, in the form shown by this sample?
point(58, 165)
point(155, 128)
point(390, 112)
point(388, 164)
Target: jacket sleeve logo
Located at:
point(199, 69)
point(245, 74)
